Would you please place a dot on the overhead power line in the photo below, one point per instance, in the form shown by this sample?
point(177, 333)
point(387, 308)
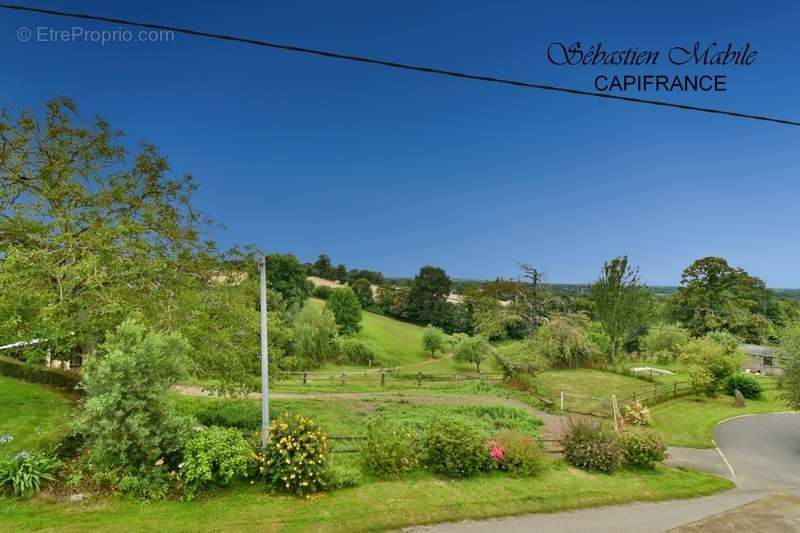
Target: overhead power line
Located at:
point(396, 65)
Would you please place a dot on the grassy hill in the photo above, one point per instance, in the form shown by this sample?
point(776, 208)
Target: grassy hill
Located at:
point(397, 343)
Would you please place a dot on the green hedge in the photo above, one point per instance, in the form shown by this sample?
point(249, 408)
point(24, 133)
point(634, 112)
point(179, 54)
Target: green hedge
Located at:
point(38, 374)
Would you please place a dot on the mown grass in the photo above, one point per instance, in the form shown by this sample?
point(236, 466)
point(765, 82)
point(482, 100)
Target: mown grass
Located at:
point(34, 415)
point(588, 382)
point(690, 421)
point(371, 507)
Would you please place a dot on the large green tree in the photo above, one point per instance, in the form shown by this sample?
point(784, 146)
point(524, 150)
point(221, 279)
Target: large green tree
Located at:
point(716, 296)
point(346, 309)
point(619, 301)
point(428, 295)
point(92, 233)
point(88, 230)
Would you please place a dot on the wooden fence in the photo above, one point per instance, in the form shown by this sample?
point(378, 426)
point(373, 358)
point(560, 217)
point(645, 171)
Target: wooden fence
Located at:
point(382, 377)
point(586, 405)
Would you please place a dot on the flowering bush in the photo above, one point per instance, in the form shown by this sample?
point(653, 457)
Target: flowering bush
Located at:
point(517, 453)
point(454, 449)
point(591, 446)
point(215, 456)
point(24, 474)
point(296, 458)
point(390, 449)
point(636, 414)
point(497, 453)
point(643, 448)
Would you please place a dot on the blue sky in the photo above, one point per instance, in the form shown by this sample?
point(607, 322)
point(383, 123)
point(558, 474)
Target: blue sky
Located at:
point(393, 170)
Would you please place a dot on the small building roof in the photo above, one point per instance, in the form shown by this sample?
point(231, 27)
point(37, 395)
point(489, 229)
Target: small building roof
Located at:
point(758, 350)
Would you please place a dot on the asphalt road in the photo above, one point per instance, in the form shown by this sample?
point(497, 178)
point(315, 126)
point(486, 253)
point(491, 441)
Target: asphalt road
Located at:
point(763, 450)
point(763, 453)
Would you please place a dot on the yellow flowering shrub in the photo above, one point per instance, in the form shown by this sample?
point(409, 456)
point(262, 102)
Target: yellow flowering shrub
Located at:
point(297, 455)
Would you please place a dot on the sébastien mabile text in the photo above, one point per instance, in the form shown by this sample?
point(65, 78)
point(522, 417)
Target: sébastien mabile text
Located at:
point(711, 55)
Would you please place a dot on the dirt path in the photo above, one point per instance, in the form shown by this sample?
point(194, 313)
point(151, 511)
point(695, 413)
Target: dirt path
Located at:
point(552, 425)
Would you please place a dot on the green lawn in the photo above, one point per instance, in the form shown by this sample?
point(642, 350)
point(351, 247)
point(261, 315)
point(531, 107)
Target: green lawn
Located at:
point(33, 415)
point(690, 422)
point(370, 507)
point(586, 382)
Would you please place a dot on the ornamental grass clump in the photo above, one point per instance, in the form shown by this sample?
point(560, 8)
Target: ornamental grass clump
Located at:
point(591, 446)
point(296, 458)
point(25, 474)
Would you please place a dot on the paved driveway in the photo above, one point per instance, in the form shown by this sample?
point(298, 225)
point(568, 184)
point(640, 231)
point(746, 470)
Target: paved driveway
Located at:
point(763, 452)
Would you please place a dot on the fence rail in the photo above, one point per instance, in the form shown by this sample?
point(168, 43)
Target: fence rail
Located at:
point(602, 407)
point(381, 377)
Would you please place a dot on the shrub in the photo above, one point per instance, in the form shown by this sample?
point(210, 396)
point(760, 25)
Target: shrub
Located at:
point(342, 477)
point(24, 474)
point(521, 358)
point(591, 446)
point(323, 292)
point(665, 342)
point(346, 309)
point(636, 414)
point(354, 351)
point(215, 457)
point(522, 455)
point(747, 385)
point(454, 449)
point(390, 449)
point(296, 458)
point(129, 420)
point(643, 448)
point(710, 360)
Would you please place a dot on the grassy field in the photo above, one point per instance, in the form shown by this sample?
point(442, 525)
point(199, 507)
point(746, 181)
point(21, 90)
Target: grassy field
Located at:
point(370, 507)
point(398, 343)
point(32, 414)
point(690, 421)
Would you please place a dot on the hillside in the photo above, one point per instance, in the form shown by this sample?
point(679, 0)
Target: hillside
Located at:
point(397, 343)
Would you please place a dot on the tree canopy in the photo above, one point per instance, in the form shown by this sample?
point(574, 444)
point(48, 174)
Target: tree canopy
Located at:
point(716, 296)
point(620, 301)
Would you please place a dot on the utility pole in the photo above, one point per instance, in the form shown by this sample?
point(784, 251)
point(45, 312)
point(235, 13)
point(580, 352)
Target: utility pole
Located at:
point(262, 267)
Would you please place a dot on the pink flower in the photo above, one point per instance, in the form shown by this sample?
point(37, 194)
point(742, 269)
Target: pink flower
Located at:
point(497, 453)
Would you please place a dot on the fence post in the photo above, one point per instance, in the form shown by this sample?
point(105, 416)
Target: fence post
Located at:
point(634, 396)
point(383, 378)
point(343, 378)
point(655, 394)
point(562, 400)
point(675, 389)
point(305, 377)
point(419, 379)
